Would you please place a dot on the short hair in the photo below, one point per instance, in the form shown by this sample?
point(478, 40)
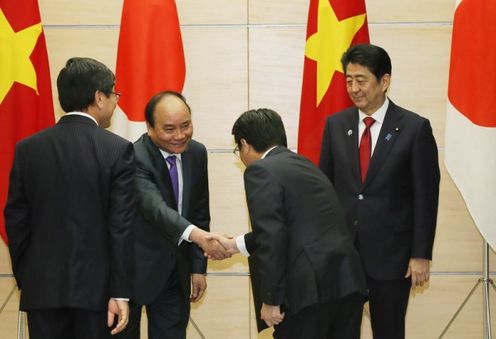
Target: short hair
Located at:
point(79, 80)
point(373, 57)
point(261, 128)
point(152, 103)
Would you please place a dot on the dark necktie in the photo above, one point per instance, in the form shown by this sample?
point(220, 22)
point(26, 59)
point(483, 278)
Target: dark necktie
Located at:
point(365, 147)
point(171, 159)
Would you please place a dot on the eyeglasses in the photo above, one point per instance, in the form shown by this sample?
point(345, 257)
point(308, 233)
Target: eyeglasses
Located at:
point(236, 151)
point(117, 95)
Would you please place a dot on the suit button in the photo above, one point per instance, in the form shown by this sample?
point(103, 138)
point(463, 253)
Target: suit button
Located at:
point(355, 223)
point(360, 197)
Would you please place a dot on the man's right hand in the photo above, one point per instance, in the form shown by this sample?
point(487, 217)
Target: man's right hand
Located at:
point(119, 309)
point(212, 248)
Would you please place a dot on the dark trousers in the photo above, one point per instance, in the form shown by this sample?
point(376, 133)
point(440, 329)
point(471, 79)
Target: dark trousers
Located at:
point(340, 319)
point(388, 301)
point(64, 323)
point(168, 314)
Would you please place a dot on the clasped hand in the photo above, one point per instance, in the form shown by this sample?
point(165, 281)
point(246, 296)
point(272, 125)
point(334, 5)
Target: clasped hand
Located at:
point(214, 246)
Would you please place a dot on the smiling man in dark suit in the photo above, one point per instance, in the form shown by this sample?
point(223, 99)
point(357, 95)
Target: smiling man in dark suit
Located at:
point(306, 275)
point(172, 210)
point(383, 162)
point(69, 213)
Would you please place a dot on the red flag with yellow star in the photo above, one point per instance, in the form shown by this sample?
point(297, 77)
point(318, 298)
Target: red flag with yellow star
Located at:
point(26, 103)
point(333, 26)
point(150, 59)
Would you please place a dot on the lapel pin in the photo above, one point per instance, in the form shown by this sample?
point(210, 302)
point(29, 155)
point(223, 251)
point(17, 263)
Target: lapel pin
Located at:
point(388, 137)
point(350, 132)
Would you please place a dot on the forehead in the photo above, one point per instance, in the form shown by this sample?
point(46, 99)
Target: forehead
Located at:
point(171, 110)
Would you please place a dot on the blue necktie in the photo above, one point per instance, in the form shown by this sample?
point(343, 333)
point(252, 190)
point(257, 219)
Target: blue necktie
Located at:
point(171, 159)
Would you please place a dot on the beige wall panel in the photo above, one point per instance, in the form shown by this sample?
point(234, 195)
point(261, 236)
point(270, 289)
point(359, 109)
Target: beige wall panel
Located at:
point(213, 12)
point(10, 307)
point(458, 244)
point(429, 311)
point(227, 206)
point(90, 12)
point(410, 11)
point(216, 80)
point(64, 43)
point(224, 311)
point(5, 266)
point(276, 64)
point(420, 58)
point(278, 11)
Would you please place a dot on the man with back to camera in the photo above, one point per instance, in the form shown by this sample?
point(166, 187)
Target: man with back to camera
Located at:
point(69, 213)
point(172, 209)
point(306, 276)
point(383, 162)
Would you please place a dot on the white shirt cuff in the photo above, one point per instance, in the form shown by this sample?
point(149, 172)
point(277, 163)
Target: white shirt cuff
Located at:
point(186, 234)
point(240, 243)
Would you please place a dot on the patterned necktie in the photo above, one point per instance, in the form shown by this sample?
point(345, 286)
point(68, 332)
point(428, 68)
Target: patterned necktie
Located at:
point(365, 147)
point(171, 160)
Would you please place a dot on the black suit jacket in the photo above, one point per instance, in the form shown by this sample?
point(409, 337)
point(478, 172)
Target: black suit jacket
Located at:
point(159, 226)
point(69, 216)
point(301, 251)
point(394, 212)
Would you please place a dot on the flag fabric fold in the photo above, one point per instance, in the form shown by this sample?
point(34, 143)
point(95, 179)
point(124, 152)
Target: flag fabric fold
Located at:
point(26, 102)
point(150, 59)
point(332, 27)
point(470, 140)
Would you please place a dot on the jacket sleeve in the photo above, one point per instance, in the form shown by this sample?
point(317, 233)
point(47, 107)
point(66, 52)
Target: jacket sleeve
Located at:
point(265, 198)
point(16, 214)
point(121, 216)
point(152, 205)
point(425, 179)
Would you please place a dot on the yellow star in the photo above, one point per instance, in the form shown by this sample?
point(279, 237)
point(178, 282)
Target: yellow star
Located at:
point(15, 50)
point(327, 45)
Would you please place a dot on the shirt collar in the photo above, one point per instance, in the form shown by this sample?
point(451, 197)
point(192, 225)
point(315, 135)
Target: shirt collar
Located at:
point(377, 115)
point(167, 154)
point(267, 151)
point(83, 115)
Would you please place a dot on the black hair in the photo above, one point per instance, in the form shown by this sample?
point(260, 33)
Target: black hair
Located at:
point(261, 128)
point(373, 57)
point(79, 80)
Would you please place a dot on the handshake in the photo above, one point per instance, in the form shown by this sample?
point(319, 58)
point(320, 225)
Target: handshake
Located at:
point(214, 246)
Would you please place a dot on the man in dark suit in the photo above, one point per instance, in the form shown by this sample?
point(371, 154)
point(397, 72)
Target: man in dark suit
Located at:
point(172, 210)
point(382, 160)
point(306, 275)
point(69, 213)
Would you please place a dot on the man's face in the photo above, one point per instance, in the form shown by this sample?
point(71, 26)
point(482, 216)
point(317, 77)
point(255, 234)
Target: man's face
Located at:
point(173, 128)
point(365, 90)
point(108, 107)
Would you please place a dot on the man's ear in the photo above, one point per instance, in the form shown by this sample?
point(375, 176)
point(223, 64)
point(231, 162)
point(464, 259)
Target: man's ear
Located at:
point(99, 99)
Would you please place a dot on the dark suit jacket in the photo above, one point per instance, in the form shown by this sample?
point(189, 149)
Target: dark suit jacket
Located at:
point(159, 226)
point(301, 251)
point(69, 216)
point(394, 212)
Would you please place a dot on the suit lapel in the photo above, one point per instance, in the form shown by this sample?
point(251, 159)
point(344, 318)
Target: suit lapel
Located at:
point(351, 136)
point(387, 137)
point(158, 163)
point(187, 165)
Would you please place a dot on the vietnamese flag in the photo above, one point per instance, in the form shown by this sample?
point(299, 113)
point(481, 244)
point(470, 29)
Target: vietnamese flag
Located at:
point(470, 150)
point(150, 59)
point(333, 26)
point(26, 103)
